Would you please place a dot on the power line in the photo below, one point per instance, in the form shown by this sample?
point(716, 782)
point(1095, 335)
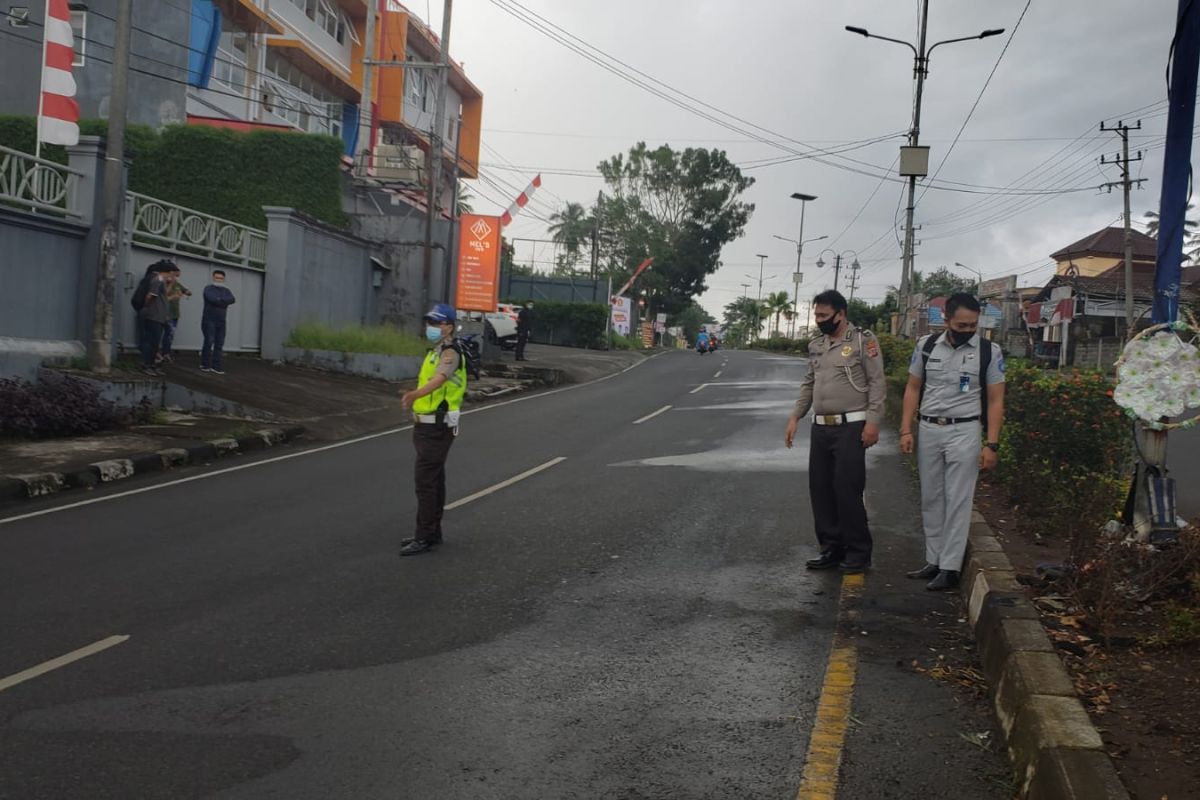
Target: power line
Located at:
point(978, 97)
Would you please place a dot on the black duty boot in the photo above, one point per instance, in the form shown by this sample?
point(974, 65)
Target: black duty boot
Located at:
point(924, 573)
point(417, 546)
point(827, 560)
point(945, 580)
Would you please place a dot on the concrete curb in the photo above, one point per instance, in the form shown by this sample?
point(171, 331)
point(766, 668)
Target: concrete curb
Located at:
point(1056, 752)
point(16, 488)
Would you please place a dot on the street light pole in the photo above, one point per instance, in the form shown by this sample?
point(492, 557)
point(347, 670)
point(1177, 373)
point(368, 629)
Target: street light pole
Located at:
point(758, 304)
point(979, 286)
point(920, 71)
point(837, 263)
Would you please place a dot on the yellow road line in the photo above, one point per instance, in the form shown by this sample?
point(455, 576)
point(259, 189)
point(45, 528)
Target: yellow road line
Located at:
point(824, 757)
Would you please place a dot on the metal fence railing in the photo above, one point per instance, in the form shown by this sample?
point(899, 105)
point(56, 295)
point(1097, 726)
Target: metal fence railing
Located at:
point(37, 185)
point(165, 226)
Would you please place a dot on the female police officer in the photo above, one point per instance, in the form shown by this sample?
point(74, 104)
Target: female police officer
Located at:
point(436, 403)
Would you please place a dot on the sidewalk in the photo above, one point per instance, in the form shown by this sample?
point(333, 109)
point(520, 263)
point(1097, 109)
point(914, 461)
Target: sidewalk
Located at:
point(284, 400)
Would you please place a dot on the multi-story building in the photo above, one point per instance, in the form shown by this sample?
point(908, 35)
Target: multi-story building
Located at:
point(276, 64)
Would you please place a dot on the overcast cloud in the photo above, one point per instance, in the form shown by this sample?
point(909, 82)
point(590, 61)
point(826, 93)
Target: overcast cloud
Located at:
point(791, 68)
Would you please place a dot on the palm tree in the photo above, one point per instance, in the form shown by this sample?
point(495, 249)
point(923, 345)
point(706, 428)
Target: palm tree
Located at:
point(462, 204)
point(1191, 239)
point(570, 227)
point(777, 303)
point(1189, 225)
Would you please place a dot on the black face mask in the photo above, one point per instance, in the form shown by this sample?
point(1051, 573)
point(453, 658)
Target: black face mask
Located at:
point(828, 326)
point(959, 338)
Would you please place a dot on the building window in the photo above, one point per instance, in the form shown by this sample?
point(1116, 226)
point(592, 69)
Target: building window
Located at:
point(327, 18)
point(233, 56)
point(18, 17)
point(416, 87)
point(79, 29)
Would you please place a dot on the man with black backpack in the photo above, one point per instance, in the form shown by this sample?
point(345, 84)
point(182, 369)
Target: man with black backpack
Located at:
point(956, 388)
point(150, 302)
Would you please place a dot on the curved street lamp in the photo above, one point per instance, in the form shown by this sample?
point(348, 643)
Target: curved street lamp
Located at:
point(837, 263)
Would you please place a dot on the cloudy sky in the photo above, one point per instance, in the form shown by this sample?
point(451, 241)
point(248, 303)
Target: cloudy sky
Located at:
point(798, 81)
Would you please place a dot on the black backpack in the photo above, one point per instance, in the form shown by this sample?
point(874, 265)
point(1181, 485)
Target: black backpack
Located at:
point(985, 361)
point(468, 350)
point(138, 301)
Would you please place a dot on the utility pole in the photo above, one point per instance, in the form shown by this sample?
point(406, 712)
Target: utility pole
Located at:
point(366, 119)
point(919, 165)
point(596, 235)
point(435, 151)
point(758, 304)
point(920, 69)
point(1123, 160)
point(100, 346)
point(854, 268)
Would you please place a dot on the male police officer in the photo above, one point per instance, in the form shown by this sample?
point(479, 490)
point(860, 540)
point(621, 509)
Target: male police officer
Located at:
point(963, 380)
point(436, 403)
point(845, 388)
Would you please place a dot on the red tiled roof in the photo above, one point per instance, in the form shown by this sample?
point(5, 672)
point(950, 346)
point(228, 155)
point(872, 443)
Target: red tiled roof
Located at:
point(1191, 275)
point(1110, 242)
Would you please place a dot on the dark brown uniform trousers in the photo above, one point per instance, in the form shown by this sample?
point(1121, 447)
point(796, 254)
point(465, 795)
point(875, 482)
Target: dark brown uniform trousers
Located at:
point(837, 477)
point(432, 443)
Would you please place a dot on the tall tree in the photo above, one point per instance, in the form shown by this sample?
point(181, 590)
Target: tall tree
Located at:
point(570, 227)
point(943, 283)
point(777, 303)
point(679, 207)
point(691, 319)
point(1191, 240)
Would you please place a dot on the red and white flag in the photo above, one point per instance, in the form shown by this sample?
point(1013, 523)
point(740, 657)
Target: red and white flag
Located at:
point(521, 201)
point(58, 113)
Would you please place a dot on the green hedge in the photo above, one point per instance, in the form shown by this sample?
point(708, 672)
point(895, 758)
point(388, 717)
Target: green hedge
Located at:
point(226, 173)
point(571, 324)
point(1065, 452)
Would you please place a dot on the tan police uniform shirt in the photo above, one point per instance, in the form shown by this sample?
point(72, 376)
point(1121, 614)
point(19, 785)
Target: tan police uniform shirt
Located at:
point(844, 375)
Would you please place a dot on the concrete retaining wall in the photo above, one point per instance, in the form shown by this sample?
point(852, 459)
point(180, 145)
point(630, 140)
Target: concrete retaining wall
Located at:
point(368, 365)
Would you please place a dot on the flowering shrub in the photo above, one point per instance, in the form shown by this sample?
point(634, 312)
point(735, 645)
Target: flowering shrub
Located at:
point(1066, 450)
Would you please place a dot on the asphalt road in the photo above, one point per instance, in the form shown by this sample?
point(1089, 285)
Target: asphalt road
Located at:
point(631, 621)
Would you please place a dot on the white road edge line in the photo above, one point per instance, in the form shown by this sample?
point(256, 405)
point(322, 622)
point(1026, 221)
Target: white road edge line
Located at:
point(505, 484)
point(309, 452)
point(662, 410)
point(698, 388)
point(61, 661)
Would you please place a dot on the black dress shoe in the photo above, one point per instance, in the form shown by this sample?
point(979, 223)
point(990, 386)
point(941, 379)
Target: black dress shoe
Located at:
point(827, 560)
point(411, 539)
point(854, 567)
point(924, 573)
point(945, 580)
point(416, 547)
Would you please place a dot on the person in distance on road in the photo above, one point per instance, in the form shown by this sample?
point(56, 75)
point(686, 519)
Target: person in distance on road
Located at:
point(845, 388)
point(956, 387)
point(524, 327)
point(436, 404)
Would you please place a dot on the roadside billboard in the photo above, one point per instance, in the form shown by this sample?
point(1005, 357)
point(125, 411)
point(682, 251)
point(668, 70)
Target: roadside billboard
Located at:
point(622, 314)
point(478, 286)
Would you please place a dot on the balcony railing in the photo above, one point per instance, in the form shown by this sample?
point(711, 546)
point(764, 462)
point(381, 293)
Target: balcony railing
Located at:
point(37, 185)
point(165, 226)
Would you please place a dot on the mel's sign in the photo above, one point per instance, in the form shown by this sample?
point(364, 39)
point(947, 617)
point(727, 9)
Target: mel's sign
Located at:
point(478, 286)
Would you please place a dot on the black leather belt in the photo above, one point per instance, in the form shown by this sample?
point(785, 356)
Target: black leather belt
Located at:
point(948, 420)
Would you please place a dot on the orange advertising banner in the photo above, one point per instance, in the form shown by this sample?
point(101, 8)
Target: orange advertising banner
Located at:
point(478, 263)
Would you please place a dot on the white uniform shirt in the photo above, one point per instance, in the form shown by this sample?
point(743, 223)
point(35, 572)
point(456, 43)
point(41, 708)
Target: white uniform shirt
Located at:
point(951, 376)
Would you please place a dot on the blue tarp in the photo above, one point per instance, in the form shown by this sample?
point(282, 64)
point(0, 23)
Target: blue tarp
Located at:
point(350, 128)
point(202, 42)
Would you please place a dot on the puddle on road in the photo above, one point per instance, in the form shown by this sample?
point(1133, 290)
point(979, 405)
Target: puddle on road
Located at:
point(731, 460)
point(743, 459)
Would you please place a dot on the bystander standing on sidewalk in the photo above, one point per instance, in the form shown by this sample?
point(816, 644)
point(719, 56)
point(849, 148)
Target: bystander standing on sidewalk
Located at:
point(956, 388)
point(177, 292)
point(153, 314)
point(524, 327)
point(217, 300)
